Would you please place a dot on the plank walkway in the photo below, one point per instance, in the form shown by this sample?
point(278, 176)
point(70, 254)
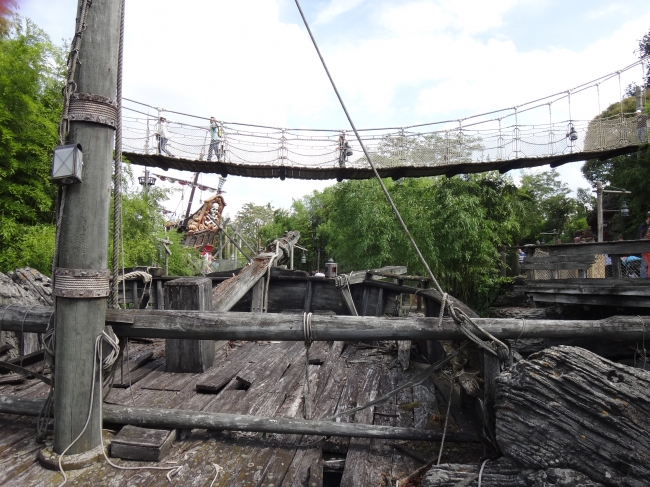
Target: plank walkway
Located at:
point(264, 379)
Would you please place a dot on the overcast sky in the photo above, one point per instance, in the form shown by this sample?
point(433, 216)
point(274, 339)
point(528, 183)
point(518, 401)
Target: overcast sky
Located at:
point(395, 62)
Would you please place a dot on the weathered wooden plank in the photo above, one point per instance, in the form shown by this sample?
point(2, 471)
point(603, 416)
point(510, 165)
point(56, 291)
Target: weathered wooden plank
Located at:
point(267, 375)
point(404, 353)
point(403, 464)
point(216, 379)
point(137, 375)
point(230, 291)
point(347, 400)
point(598, 248)
point(556, 266)
point(357, 462)
point(349, 302)
point(596, 300)
point(380, 458)
point(125, 369)
point(560, 258)
point(299, 473)
point(357, 277)
point(257, 296)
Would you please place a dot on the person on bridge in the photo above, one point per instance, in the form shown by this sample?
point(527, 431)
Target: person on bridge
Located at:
point(641, 127)
point(216, 134)
point(344, 150)
point(643, 234)
point(162, 136)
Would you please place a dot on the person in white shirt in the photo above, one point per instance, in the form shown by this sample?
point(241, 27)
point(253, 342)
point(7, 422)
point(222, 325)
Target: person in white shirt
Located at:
point(162, 136)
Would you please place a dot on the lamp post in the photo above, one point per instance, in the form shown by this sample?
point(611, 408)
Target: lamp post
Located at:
point(146, 180)
point(625, 211)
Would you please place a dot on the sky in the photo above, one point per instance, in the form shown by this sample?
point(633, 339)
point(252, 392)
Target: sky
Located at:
point(395, 63)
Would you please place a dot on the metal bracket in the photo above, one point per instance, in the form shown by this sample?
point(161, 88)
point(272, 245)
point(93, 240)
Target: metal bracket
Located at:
point(81, 283)
point(86, 107)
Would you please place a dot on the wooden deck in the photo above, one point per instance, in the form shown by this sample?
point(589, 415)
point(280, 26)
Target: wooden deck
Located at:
point(264, 379)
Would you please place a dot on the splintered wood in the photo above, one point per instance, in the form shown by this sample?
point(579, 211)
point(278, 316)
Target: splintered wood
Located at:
point(263, 379)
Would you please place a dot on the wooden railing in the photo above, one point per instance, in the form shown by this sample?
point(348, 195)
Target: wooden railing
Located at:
point(585, 260)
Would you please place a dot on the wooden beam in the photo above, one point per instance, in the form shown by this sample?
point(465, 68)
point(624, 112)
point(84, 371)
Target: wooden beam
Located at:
point(585, 259)
point(357, 277)
point(624, 247)
point(559, 266)
point(175, 418)
point(270, 326)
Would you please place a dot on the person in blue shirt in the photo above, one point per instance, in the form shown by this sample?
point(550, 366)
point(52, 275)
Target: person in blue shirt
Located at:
point(216, 133)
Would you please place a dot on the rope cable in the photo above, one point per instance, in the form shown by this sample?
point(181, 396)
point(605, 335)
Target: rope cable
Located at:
point(444, 429)
point(117, 171)
point(365, 151)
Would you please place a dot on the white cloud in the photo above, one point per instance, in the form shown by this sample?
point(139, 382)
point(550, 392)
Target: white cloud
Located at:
point(610, 9)
point(422, 61)
point(335, 8)
point(468, 16)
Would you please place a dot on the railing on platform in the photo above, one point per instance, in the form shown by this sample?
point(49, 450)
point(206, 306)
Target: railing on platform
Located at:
point(606, 260)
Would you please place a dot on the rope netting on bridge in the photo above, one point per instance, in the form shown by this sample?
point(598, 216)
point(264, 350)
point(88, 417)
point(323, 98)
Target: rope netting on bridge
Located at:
point(543, 128)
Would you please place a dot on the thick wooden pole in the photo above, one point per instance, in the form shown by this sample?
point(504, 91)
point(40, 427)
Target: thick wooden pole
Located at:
point(198, 325)
point(175, 418)
point(84, 237)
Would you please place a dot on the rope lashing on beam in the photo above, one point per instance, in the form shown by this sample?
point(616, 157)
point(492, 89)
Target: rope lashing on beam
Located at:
point(460, 318)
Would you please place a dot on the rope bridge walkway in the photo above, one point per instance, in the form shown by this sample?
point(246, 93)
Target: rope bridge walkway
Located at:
point(500, 140)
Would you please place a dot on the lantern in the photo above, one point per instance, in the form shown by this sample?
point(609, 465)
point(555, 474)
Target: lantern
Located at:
point(330, 268)
point(67, 163)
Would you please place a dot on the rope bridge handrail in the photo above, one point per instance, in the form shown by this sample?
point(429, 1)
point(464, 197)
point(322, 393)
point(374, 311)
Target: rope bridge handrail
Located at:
point(500, 136)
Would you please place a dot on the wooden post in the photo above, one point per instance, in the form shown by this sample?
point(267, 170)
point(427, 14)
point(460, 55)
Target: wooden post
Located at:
point(220, 249)
point(134, 293)
point(257, 305)
point(189, 293)
point(160, 295)
point(189, 203)
point(84, 237)
point(616, 266)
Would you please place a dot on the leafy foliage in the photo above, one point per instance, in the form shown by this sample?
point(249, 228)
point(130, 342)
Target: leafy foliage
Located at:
point(250, 219)
point(30, 105)
point(459, 224)
point(550, 207)
point(143, 224)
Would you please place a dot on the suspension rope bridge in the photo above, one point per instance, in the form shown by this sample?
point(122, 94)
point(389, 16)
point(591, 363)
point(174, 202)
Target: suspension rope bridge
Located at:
point(525, 135)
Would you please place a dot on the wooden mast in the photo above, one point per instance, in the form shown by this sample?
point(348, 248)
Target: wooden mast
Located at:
point(84, 234)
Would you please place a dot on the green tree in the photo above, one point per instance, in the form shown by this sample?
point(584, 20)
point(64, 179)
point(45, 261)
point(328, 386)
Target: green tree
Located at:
point(143, 223)
point(459, 224)
point(31, 69)
point(550, 206)
point(250, 219)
